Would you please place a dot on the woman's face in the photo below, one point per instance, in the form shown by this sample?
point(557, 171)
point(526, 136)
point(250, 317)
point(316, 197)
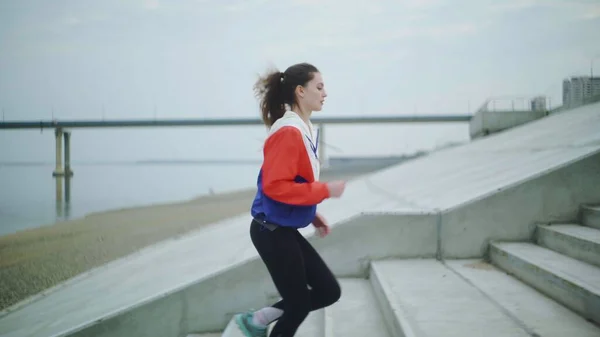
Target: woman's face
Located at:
point(312, 96)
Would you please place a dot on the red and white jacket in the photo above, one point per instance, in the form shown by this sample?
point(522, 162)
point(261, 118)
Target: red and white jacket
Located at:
point(288, 187)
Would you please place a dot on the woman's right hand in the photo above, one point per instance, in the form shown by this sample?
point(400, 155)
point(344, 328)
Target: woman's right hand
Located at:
point(336, 188)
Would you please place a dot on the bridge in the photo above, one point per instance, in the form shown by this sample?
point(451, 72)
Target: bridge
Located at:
point(61, 128)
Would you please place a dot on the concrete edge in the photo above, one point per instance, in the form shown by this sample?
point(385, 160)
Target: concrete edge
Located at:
point(523, 181)
point(576, 247)
point(499, 215)
point(350, 248)
point(344, 259)
point(110, 264)
point(508, 313)
point(588, 213)
point(394, 317)
point(557, 273)
point(570, 294)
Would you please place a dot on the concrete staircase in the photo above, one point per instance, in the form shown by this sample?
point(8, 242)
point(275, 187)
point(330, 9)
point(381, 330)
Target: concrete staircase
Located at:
point(550, 288)
point(563, 263)
point(357, 313)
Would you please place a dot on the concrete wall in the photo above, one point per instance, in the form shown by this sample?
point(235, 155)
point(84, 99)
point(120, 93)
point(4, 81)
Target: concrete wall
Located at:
point(205, 306)
point(351, 246)
point(486, 122)
point(511, 213)
point(461, 232)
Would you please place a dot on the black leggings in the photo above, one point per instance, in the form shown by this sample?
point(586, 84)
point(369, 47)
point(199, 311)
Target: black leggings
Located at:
point(293, 264)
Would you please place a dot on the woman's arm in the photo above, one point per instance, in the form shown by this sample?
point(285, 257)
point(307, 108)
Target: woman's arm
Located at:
point(282, 157)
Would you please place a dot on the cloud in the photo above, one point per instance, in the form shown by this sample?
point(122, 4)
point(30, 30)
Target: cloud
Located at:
point(151, 4)
point(245, 5)
point(421, 4)
point(72, 21)
point(592, 13)
point(586, 10)
point(511, 6)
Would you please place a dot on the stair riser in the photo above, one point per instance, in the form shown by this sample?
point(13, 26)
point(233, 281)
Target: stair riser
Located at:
point(574, 247)
point(570, 295)
point(590, 217)
point(387, 310)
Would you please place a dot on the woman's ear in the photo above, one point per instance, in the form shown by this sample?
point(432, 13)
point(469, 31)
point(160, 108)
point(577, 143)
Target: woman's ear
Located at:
point(300, 91)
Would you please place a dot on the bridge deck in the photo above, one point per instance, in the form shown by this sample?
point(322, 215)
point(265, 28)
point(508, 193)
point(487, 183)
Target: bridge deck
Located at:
point(223, 122)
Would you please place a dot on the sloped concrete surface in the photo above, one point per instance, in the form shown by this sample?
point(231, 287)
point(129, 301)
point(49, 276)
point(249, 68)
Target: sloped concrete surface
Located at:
point(537, 314)
point(573, 283)
point(579, 242)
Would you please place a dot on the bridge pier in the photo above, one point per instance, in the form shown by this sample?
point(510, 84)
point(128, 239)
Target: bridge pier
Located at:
point(63, 205)
point(58, 170)
point(68, 171)
point(59, 133)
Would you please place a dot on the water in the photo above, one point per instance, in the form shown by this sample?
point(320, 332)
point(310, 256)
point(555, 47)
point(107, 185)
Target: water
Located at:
point(28, 193)
point(31, 197)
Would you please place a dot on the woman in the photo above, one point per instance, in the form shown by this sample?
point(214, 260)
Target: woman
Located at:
point(287, 198)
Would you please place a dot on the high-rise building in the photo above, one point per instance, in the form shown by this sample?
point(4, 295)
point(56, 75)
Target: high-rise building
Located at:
point(578, 90)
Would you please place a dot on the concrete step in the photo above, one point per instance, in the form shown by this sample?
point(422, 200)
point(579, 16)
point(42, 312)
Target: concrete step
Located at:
point(536, 313)
point(570, 282)
point(590, 215)
point(357, 313)
point(579, 242)
point(425, 298)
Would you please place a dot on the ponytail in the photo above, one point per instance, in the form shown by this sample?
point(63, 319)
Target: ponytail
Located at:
point(276, 89)
point(270, 92)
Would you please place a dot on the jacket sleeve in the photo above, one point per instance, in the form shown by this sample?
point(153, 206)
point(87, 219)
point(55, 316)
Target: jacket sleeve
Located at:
point(282, 157)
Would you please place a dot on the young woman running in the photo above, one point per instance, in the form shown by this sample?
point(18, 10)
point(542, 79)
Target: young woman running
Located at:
point(286, 200)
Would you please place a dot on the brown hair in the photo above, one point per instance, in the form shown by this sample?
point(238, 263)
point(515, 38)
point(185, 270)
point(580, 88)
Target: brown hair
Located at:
point(276, 89)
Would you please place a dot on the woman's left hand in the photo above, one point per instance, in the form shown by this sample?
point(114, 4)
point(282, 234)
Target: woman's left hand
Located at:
point(321, 225)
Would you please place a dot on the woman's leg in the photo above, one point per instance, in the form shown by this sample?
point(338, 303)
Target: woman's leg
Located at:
point(283, 257)
point(325, 289)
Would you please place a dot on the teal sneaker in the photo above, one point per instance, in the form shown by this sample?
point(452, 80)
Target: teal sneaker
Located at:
point(244, 322)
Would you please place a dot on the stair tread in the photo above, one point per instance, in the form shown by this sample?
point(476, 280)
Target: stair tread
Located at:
point(357, 312)
point(580, 273)
point(536, 311)
point(581, 232)
point(434, 301)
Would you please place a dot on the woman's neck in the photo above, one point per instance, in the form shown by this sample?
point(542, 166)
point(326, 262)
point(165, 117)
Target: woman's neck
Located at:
point(303, 113)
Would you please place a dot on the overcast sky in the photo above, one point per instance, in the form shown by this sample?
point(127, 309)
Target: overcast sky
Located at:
point(146, 58)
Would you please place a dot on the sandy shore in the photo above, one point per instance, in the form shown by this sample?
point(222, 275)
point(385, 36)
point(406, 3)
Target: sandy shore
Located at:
point(37, 259)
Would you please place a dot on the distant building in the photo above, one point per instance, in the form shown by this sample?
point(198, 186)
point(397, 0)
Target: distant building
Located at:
point(579, 90)
point(538, 103)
